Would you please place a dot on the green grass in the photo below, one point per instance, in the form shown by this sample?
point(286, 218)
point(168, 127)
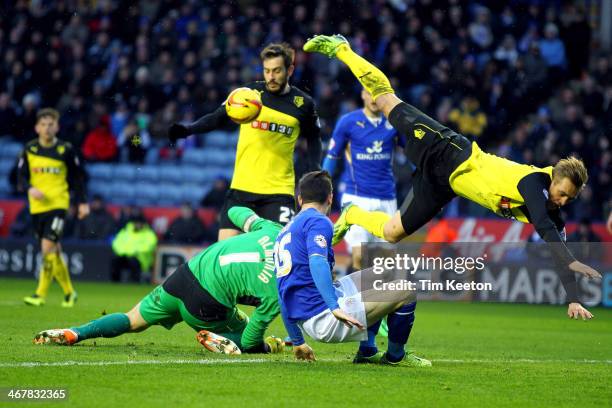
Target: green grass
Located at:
point(483, 355)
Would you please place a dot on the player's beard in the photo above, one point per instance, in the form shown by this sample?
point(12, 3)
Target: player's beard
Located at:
point(280, 89)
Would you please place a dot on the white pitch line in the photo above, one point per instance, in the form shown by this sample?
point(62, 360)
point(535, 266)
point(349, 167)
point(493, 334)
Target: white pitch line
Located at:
point(37, 364)
point(522, 360)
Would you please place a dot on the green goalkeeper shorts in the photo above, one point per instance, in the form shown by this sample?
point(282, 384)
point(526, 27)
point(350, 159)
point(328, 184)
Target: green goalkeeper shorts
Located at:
point(162, 308)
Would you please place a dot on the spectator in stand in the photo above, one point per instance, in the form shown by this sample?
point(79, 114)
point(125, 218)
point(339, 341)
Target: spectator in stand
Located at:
point(553, 51)
point(134, 140)
point(125, 215)
point(216, 196)
point(187, 228)
point(71, 222)
point(99, 224)
point(133, 250)
point(150, 61)
point(469, 119)
point(100, 144)
point(588, 248)
point(22, 224)
point(8, 115)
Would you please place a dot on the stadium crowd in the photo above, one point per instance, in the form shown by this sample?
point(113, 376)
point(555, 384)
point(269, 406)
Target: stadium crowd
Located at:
point(528, 82)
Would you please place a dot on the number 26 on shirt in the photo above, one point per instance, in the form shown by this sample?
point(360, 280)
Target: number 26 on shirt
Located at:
point(282, 256)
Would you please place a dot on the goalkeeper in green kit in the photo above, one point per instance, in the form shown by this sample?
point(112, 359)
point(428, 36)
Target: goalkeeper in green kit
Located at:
point(203, 293)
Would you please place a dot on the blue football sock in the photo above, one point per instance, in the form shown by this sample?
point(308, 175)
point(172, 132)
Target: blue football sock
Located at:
point(400, 325)
point(368, 347)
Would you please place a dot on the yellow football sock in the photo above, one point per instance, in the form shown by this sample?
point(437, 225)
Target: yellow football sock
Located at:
point(46, 276)
point(60, 271)
point(372, 78)
point(373, 221)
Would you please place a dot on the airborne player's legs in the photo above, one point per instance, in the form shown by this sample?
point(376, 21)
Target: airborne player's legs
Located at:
point(426, 142)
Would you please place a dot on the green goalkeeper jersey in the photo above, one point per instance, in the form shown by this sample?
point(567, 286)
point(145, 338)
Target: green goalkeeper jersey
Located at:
point(240, 270)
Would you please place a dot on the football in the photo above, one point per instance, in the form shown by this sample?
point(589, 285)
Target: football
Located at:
point(243, 105)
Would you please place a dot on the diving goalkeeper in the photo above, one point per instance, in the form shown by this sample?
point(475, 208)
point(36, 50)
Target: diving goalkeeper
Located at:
point(204, 293)
point(448, 165)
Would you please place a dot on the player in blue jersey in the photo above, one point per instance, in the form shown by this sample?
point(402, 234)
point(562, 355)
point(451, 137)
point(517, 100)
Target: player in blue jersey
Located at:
point(367, 141)
point(326, 311)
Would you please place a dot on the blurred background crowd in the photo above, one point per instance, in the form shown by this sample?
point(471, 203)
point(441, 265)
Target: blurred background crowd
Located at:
point(526, 79)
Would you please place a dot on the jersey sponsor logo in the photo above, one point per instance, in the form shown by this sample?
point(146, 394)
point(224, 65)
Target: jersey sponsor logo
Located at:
point(272, 127)
point(376, 147)
point(61, 150)
point(320, 241)
point(419, 133)
point(374, 152)
point(46, 170)
point(298, 101)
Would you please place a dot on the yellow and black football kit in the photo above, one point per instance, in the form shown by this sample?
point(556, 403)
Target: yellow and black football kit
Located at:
point(449, 165)
point(52, 170)
point(264, 175)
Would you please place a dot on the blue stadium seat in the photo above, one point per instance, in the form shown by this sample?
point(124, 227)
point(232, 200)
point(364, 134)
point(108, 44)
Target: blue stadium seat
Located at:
point(100, 187)
point(196, 175)
point(147, 194)
point(170, 195)
point(147, 173)
point(124, 172)
point(216, 157)
point(196, 157)
point(194, 193)
point(5, 187)
point(122, 192)
point(5, 167)
point(231, 140)
point(10, 150)
point(216, 139)
point(224, 171)
point(152, 156)
point(170, 174)
point(100, 171)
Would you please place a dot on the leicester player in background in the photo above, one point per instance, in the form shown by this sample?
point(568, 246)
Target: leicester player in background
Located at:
point(328, 312)
point(448, 165)
point(48, 167)
point(264, 176)
point(367, 141)
point(204, 293)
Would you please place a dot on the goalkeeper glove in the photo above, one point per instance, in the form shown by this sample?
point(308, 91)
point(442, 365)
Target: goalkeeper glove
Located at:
point(177, 131)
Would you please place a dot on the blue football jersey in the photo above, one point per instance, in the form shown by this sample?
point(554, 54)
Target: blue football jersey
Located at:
point(368, 151)
point(308, 234)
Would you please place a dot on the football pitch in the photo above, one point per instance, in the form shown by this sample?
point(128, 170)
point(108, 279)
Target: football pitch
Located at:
point(482, 354)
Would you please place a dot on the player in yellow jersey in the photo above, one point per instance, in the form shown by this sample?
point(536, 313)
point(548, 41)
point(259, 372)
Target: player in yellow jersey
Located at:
point(448, 165)
point(264, 177)
point(47, 168)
